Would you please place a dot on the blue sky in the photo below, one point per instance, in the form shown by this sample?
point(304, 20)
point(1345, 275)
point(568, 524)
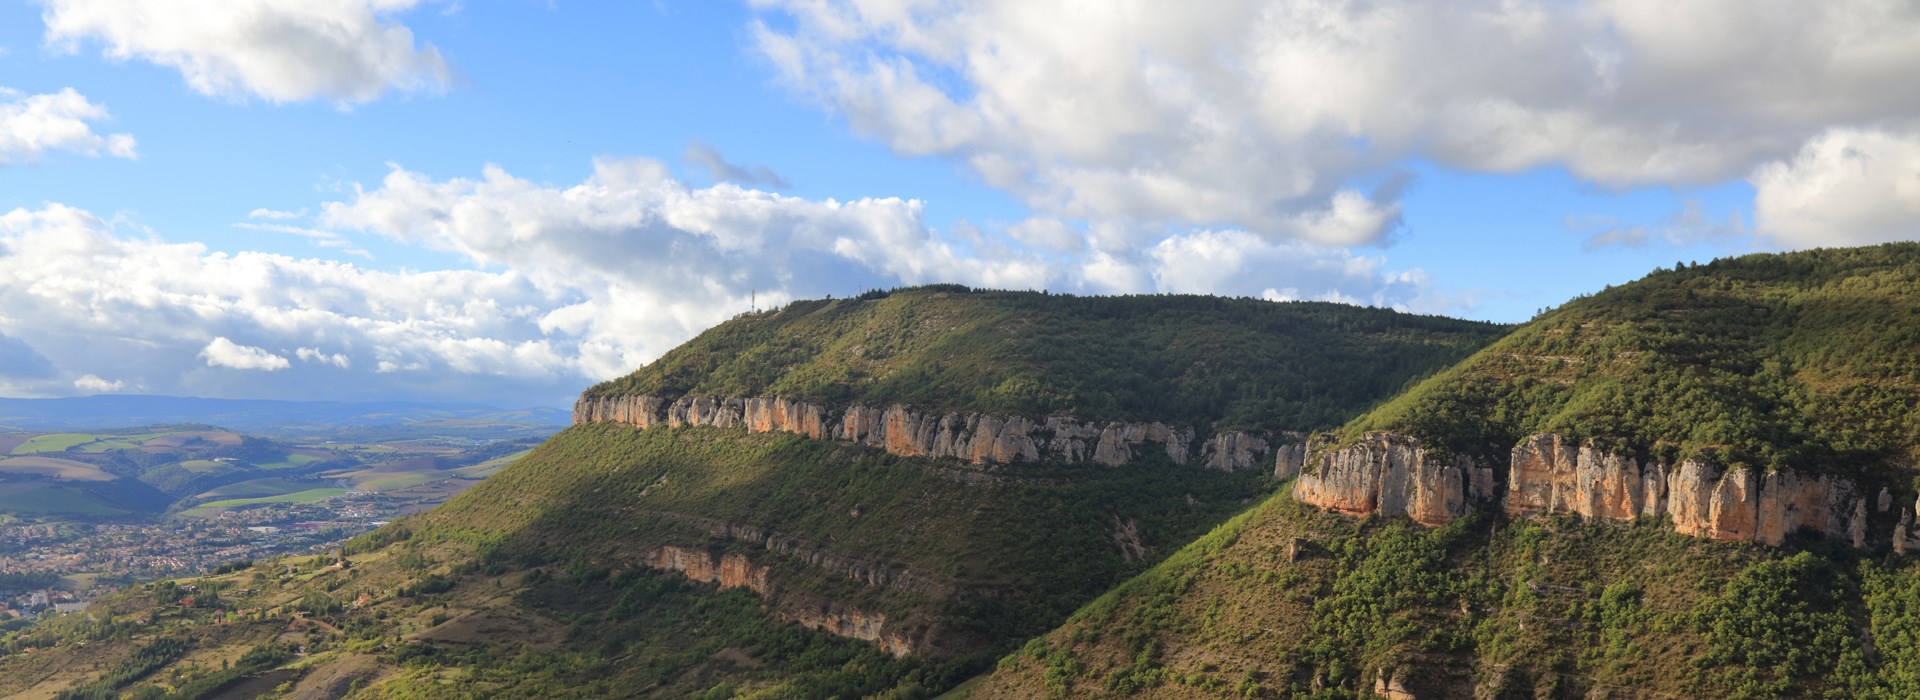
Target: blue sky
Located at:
point(507, 201)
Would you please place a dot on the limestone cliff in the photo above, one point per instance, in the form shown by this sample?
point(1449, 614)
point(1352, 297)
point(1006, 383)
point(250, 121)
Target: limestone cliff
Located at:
point(870, 572)
point(736, 571)
point(908, 432)
point(1391, 474)
point(1549, 475)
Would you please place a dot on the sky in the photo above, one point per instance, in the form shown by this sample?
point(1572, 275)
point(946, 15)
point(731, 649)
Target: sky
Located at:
point(506, 201)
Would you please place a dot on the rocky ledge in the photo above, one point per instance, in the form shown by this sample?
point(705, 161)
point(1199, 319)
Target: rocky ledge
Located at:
point(971, 437)
point(736, 571)
point(1392, 474)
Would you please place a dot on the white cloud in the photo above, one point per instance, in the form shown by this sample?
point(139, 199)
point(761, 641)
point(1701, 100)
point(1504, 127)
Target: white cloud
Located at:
point(1271, 116)
point(143, 311)
point(644, 261)
point(571, 284)
point(31, 125)
point(221, 352)
point(1237, 263)
point(1846, 187)
point(319, 356)
point(344, 51)
point(275, 214)
point(93, 384)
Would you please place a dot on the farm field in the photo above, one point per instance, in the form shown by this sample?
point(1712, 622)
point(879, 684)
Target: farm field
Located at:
point(313, 495)
point(256, 488)
point(54, 467)
point(56, 442)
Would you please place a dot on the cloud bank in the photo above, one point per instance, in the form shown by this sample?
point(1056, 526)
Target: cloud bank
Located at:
point(1284, 117)
point(568, 285)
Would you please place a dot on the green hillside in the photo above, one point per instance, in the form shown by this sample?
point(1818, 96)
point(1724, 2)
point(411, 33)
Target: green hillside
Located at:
point(1805, 360)
point(530, 583)
point(1481, 608)
point(1184, 360)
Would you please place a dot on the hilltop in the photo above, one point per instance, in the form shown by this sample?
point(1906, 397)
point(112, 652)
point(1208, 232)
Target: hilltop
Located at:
point(1211, 362)
point(1573, 511)
point(926, 478)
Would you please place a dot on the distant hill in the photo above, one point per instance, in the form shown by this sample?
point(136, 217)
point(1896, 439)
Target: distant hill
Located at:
point(1597, 480)
point(925, 477)
point(276, 418)
point(1207, 362)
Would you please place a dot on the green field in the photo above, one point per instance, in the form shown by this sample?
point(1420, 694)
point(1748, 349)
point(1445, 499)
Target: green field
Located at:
point(391, 482)
point(291, 461)
point(257, 488)
point(86, 443)
point(308, 496)
point(54, 442)
point(100, 446)
point(41, 497)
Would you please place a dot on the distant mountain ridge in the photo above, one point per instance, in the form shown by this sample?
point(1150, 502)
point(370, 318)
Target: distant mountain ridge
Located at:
point(253, 415)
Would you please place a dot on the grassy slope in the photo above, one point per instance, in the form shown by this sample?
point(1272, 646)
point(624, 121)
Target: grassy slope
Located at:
point(1186, 360)
point(1549, 609)
point(1022, 553)
point(1804, 360)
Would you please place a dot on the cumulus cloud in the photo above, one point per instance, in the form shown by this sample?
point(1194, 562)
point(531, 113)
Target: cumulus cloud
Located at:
point(1845, 187)
point(93, 384)
point(320, 356)
point(178, 318)
point(708, 158)
point(1270, 116)
point(31, 125)
point(569, 284)
point(221, 352)
point(344, 51)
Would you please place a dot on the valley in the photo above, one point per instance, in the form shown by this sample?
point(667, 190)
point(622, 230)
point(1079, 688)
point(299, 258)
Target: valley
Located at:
point(86, 513)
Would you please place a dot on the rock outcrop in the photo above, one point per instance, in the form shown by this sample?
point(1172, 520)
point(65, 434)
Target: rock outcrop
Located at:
point(1391, 474)
point(870, 572)
point(736, 571)
point(1906, 537)
point(1289, 459)
point(1550, 475)
point(909, 432)
point(728, 571)
point(1233, 451)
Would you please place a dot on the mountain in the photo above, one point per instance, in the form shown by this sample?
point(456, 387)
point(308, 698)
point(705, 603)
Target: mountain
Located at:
point(838, 498)
point(1699, 484)
point(291, 419)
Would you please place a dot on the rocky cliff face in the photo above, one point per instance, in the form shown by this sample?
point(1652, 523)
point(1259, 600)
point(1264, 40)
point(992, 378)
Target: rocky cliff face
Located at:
point(736, 571)
point(870, 572)
point(1391, 474)
point(908, 432)
point(1550, 475)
